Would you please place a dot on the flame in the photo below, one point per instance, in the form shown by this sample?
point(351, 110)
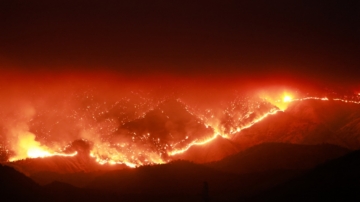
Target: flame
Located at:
point(202, 142)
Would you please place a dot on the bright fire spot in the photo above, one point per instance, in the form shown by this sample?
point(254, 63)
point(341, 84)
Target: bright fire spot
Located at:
point(40, 153)
point(287, 98)
point(28, 147)
point(37, 152)
point(279, 98)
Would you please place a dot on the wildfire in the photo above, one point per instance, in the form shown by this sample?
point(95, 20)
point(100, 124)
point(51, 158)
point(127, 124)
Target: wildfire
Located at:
point(137, 147)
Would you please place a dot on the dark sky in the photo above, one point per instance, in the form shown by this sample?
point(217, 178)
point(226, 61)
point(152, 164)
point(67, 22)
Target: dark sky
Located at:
point(314, 40)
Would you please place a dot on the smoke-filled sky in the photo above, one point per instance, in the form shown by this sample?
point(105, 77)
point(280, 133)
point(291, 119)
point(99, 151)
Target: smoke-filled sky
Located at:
point(275, 40)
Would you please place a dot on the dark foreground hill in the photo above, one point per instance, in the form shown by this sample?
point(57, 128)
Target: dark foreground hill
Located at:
point(16, 186)
point(248, 172)
point(184, 181)
point(278, 156)
point(336, 180)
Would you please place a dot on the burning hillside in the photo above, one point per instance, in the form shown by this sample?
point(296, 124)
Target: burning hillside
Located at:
point(129, 123)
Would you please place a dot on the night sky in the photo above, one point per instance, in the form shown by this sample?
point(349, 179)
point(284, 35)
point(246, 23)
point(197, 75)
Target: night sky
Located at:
point(260, 39)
